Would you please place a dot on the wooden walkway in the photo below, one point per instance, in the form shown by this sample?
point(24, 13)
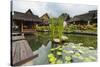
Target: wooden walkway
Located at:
point(21, 51)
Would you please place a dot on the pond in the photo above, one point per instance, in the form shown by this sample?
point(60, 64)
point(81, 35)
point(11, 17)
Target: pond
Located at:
point(36, 40)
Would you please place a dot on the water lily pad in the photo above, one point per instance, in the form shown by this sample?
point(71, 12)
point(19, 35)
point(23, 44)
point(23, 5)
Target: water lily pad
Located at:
point(81, 57)
point(52, 59)
point(81, 51)
point(50, 55)
point(60, 49)
point(67, 62)
point(71, 52)
point(53, 62)
point(52, 49)
point(92, 58)
point(59, 53)
point(65, 51)
point(87, 59)
point(74, 47)
point(91, 48)
point(77, 54)
point(68, 58)
point(80, 44)
point(59, 62)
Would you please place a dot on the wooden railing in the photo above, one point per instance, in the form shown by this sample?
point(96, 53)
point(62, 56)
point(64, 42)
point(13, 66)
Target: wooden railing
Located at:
point(29, 30)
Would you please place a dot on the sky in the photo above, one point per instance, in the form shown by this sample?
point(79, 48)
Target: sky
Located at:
point(53, 9)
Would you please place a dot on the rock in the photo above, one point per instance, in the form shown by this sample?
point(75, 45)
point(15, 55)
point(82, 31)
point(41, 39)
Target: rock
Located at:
point(64, 38)
point(91, 48)
point(56, 40)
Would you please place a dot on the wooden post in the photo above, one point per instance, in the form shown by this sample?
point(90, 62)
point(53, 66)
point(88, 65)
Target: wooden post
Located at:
point(74, 22)
point(21, 26)
point(88, 23)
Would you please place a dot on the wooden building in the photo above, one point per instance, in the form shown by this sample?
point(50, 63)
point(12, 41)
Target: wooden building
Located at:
point(87, 18)
point(45, 19)
point(25, 22)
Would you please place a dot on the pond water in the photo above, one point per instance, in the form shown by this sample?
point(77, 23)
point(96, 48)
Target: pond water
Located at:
point(41, 45)
point(36, 40)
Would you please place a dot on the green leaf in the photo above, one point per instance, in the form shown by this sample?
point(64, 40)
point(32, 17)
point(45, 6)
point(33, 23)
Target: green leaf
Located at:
point(50, 55)
point(77, 54)
point(68, 58)
point(65, 51)
point(60, 49)
point(92, 58)
point(52, 49)
point(52, 59)
point(59, 62)
point(87, 59)
point(59, 53)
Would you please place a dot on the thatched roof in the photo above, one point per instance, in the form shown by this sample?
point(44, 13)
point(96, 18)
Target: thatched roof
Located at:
point(45, 19)
point(85, 17)
point(45, 15)
point(28, 16)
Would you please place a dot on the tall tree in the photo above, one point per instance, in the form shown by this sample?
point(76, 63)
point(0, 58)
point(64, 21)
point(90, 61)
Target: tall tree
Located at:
point(65, 16)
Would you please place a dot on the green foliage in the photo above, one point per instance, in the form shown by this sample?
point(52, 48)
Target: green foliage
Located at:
point(42, 28)
point(71, 28)
point(56, 27)
point(59, 62)
point(52, 28)
point(59, 53)
point(68, 58)
point(81, 28)
point(60, 27)
point(65, 16)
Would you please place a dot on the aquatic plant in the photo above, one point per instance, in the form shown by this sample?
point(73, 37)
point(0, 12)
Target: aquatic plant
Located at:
point(52, 28)
point(59, 62)
point(60, 27)
point(68, 58)
point(59, 53)
point(70, 54)
point(56, 26)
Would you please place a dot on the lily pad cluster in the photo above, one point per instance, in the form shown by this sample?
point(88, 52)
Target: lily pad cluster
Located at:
point(72, 53)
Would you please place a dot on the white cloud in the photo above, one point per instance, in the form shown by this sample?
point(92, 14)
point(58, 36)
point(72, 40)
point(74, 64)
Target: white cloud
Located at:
point(53, 9)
